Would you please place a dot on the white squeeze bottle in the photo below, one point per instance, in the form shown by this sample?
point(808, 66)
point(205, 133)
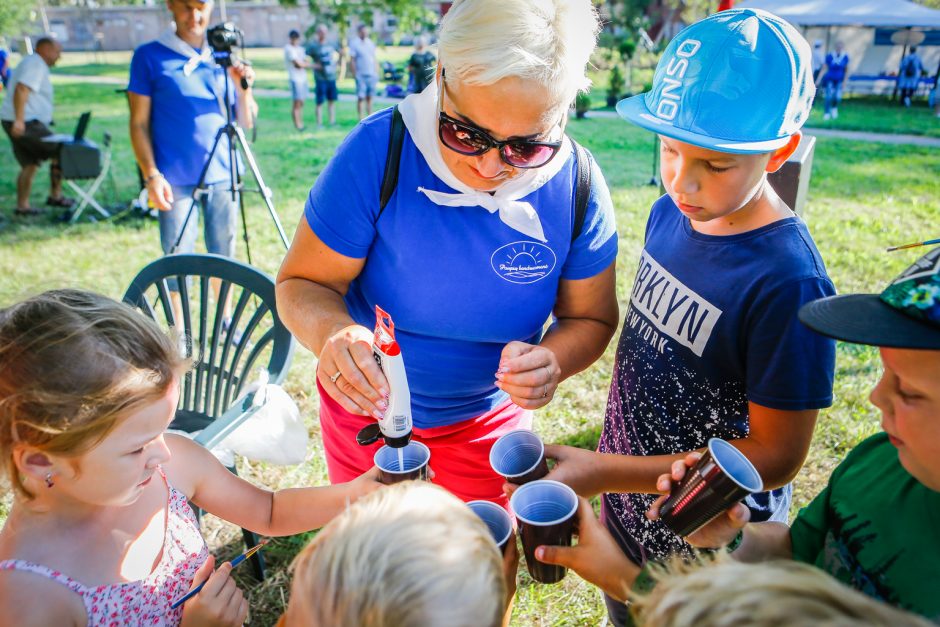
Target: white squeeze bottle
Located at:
point(395, 427)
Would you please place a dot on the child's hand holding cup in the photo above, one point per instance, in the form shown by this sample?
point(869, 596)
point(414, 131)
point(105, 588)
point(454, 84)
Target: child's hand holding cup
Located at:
point(702, 487)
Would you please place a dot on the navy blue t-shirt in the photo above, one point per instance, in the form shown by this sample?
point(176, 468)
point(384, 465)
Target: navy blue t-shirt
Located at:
point(457, 281)
point(712, 324)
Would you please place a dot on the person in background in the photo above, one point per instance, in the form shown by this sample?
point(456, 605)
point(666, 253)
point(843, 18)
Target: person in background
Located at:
point(819, 59)
point(4, 68)
point(833, 78)
point(26, 114)
point(365, 68)
point(175, 91)
point(325, 60)
point(297, 65)
point(420, 66)
point(909, 75)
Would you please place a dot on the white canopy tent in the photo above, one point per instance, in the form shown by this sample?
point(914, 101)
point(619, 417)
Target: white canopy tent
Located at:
point(884, 13)
point(853, 22)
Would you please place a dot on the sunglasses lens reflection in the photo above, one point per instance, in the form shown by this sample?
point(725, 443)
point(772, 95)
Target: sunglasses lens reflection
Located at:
point(527, 155)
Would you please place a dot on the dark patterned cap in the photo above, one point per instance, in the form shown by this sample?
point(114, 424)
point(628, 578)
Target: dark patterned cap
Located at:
point(905, 315)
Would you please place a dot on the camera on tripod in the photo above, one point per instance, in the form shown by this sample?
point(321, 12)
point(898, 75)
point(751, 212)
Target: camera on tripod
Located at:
point(222, 38)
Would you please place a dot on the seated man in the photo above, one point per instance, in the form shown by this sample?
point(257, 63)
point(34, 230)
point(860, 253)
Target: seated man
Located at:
point(26, 115)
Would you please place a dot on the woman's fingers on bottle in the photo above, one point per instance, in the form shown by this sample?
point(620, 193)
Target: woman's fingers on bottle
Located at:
point(377, 388)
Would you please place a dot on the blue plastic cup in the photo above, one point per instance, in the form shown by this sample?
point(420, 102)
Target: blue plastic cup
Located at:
point(546, 511)
point(722, 477)
point(415, 457)
point(519, 456)
point(497, 521)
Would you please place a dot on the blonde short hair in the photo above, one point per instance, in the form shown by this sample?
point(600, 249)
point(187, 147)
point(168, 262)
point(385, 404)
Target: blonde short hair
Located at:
point(409, 555)
point(728, 593)
point(546, 41)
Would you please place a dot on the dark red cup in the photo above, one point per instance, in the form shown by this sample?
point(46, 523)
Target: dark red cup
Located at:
point(546, 512)
point(722, 477)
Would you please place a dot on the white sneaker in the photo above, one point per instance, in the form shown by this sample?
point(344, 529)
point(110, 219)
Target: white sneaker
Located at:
point(826, 116)
point(907, 102)
point(835, 113)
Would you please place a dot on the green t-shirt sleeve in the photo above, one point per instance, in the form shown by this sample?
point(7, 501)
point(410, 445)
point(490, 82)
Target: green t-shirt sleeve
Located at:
point(808, 531)
point(812, 523)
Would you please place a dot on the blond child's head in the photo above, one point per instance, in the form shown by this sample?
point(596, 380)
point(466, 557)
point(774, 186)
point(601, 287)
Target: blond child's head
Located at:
point(408, 555)
point(781, 593)
point(73, 366)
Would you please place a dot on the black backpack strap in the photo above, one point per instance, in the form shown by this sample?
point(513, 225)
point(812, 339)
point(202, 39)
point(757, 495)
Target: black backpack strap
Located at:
point(583, 190)
point(396, 137)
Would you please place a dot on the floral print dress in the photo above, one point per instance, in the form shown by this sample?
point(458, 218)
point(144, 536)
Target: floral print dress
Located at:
point(146, 601)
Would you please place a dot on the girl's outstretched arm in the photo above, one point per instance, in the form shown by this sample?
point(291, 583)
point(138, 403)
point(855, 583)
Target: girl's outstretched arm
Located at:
point(209, 485)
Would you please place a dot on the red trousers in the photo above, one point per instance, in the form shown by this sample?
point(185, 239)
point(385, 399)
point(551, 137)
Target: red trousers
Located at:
point(460, 453)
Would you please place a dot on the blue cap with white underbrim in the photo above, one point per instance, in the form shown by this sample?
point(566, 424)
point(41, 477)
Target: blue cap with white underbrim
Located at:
point(739, 81)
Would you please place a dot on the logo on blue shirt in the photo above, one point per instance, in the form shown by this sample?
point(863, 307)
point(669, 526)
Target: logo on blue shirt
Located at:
point(523, 262)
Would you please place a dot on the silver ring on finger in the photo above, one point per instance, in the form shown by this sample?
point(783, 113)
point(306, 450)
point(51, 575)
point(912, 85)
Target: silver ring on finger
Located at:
point(336, 376)
point(545, 390)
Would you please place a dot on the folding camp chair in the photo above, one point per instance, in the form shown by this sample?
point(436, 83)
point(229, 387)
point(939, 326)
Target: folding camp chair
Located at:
point(226, 342)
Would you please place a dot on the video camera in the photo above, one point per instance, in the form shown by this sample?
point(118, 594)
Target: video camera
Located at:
point(222, 38)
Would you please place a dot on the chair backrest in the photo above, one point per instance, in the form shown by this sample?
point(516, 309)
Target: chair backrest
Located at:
point(226, 311)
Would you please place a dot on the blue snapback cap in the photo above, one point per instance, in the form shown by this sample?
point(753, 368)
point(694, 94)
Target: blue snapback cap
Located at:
point(739, 81)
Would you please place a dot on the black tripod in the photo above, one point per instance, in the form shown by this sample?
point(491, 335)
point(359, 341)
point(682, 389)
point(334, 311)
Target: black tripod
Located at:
point(233, 132)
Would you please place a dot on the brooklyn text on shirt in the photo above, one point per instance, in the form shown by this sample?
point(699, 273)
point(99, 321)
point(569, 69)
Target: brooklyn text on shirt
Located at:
point(523, 262)
point(663, 308)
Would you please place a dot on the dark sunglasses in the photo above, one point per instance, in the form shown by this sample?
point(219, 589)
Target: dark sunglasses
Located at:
point(471, 141)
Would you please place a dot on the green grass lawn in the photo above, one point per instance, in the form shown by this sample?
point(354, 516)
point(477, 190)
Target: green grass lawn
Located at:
point(863, 197)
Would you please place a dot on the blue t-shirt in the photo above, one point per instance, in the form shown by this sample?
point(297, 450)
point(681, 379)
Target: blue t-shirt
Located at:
point(4, 67)
point(712, 324)
point(458, 283)
point(836, 66)
point(185, 113)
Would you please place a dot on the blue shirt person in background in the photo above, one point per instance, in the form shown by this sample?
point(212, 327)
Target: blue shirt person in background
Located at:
point(909, 76)
point(711, 345)
point(834, 73)
point(4, 67)
point(176, 92)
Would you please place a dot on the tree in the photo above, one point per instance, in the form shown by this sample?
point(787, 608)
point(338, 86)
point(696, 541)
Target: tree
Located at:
point(15, 15)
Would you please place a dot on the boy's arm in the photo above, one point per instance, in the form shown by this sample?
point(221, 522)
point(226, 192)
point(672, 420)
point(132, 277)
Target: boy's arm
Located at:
point(777, 446)
point(209, 485)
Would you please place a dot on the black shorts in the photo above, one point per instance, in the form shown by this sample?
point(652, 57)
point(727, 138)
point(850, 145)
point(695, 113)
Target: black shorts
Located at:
point(28, 148)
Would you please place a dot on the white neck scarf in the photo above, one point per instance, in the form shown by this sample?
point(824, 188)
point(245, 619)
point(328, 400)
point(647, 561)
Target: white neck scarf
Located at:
point(171, 40)
point(419, 111)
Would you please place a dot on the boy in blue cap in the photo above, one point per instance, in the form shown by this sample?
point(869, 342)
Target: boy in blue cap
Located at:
point(711, 345)
point(874, 525)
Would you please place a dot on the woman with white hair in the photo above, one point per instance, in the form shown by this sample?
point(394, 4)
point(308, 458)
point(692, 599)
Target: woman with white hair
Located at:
point(481, 241)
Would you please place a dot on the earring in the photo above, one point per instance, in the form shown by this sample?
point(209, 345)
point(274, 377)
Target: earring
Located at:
point(49, 482)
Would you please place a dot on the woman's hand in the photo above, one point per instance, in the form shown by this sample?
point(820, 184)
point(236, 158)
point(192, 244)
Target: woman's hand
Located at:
point(240, 71)
point(349, 374)
point(596, 558)
point(529, 374)
point(220, 603)
point(720, 531)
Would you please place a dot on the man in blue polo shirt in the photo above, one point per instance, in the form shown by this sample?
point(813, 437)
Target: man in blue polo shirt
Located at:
point(176, 93)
